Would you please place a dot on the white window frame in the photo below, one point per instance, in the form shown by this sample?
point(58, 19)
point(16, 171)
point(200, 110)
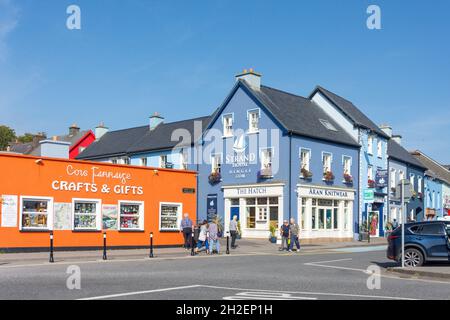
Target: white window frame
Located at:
point(179, 216)
point(184, 159)
point(98, 214)
point(370, 144)
point(350, 162)
point(379, 148)
point(308, 160)
point(401, 176)
point(323, 161)
point(161, 161)
point(143, 161)
point(141, 215)
point(249, 118)
point(370, 172)
point(262, 157)
point(49, 213)
point(393, 178)
point(412, 178)
point(214, 156)
point(419, 184)
point(225, 132)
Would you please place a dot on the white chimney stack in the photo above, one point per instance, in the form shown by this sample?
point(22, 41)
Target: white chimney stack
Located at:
point(252, 78)
point(397, 138)
point(386, 129)
point(100, 131)
point(155, 120)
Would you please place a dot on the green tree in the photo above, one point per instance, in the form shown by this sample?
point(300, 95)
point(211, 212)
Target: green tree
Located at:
point(7, 135)
point(27, 137)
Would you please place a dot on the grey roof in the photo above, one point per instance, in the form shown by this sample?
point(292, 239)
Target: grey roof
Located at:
point(399, 153)
point(435, 170)
point(161, 137)
point(140, 139)
point(23, 148)
point(351, 111)
point(447, 166)
point(301, 116)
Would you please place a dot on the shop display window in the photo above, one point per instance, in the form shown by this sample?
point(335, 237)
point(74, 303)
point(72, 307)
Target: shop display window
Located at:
point(170, 216)
point(35, 213)
point(260, 211)
point(131, 215)
point(325, 214)
point(86, 214)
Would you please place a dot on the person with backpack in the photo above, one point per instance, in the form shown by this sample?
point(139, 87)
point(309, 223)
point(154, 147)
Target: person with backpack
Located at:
point(294, 231)
point(284, 232)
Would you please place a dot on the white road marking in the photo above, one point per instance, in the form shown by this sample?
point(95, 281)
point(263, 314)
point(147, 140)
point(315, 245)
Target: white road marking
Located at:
point(265, 296)
point(313, 293)
point(139, 292)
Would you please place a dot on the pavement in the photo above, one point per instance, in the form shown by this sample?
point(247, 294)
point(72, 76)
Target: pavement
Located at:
point(356, 273)
point(429, 271)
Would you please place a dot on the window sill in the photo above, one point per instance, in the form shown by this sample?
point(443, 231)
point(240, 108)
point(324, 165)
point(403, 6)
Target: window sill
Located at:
point(252, 132)
point(169, 230)
point(228, 136)
point(131, 230)
point(35, 230)
point(86, 230)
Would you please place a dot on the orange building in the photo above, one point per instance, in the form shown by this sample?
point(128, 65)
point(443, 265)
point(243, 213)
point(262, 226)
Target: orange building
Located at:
point(79, 200)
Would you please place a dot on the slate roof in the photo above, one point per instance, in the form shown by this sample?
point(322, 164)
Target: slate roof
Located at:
point(435, 170)
point(350, 110)
point(301, 116)
point(23, 148)
point(397, 152)
point(138, 139)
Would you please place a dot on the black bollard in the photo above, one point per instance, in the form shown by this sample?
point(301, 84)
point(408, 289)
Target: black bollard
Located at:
point(151, 245)
point(104, 246)
point(51, 247)
point(228, 242)
point(192, 244)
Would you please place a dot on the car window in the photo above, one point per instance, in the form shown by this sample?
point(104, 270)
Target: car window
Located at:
point(447, 228)
point(414, 229)
point(432, 229)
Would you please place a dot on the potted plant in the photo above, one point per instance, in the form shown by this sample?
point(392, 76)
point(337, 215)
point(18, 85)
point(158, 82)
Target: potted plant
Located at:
point(214, 177)
point(348, 178)
point(328, 176)
point(273, 233)
point(363, 232)
point(306, 174)
point(371, 183)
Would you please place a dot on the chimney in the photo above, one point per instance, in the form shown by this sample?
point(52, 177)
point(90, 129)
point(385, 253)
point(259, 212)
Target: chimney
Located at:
point(252, 78)
point(397, 138)
point(155, 120)
point(386, 129)
point(100, 131)
point(39, 137)
point(74, 129)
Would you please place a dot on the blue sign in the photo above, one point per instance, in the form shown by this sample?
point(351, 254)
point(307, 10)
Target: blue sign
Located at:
point(381, 178)
point(211, 206)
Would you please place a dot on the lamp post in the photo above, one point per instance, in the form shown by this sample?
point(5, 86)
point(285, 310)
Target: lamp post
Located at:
point(51, 260)
point(104, 246)
point(151, 245)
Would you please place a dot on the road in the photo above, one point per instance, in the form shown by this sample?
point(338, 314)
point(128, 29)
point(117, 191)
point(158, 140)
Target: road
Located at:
point(327, 274)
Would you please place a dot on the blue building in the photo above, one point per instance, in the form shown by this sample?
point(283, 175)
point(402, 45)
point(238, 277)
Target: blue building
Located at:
point(402, 165)
point(271, 155)
point(436, 188)
point(372, 161)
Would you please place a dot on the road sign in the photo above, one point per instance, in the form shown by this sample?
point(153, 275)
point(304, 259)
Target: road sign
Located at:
point(369, 194)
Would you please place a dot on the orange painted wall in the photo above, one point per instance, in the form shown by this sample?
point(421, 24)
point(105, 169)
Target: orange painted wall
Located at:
point(22, 176)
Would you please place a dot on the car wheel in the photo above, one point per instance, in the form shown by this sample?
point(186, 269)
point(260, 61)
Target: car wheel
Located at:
point(413, 258)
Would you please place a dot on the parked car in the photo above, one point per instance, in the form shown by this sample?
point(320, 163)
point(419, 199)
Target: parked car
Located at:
point(424, 242)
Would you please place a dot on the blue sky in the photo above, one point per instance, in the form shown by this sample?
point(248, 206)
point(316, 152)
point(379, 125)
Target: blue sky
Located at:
point(132, 58)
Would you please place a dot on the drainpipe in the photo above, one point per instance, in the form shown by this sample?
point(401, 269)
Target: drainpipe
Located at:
point(290, 174)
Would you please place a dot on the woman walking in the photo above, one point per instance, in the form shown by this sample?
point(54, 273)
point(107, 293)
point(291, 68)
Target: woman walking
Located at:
point(202, 237)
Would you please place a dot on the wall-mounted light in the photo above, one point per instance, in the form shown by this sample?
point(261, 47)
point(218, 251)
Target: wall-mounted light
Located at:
point(38, 161)
point(155, 172)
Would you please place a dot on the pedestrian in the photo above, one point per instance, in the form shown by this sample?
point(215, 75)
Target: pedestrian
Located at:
point(233, 231)
point(186, 228)
point(202, 238)
point(294, 231)
point(213, 238)
point(284, 232)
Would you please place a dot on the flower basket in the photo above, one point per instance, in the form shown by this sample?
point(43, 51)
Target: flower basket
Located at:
point(214, 177)
point(371, 183)
point(348, 178)
point(328, 176)
point(306, 174)
point(265, 173)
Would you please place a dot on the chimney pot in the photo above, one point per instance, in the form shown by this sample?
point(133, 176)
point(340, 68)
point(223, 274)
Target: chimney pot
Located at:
point(252, 78)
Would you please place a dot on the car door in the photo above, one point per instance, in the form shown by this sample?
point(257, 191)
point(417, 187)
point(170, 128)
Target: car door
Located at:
point(433, 237)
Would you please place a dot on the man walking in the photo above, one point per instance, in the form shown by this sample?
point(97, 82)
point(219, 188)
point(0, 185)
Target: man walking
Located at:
point(233, 231)
point(294, 231)
point(186, 228)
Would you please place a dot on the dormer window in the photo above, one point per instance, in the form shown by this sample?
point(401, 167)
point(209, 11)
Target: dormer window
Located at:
point(228, 125)
point(253, 121)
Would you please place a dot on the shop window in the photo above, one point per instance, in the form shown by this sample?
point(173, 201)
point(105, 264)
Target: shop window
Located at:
point(302, 214)
point(170, 216)
point(36, 213)
point(346, 215)
point(335, 218)
point(251, 213)
point(234, 201)
point(325, 214)
point(314, 218)
point(131, 215)
point(86, 214)
point(227, 125)
point(261, 211)
point(253, 121)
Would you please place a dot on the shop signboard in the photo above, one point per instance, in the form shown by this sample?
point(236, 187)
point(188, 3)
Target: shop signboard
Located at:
point(211, 206)
point(381, 178)
point(369, 194)
point(9, 211)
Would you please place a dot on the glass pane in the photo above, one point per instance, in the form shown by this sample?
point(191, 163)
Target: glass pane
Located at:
point(262, 200)
point(325, 202)
point(83, 221)
point(129, 222)
point(251, 201)
point(314, 202)
point(274, 216)
point(234, 202)
point(85, 207)
point(273, 200)
point(336, 203)
point(345, 219)
point(335, 218)
point(35, 206)
point(328, 218)
point(302, 217)
point(251, 217)
point(313, 219)
point(34, 220)
point(321, 218)
point(303, 201)
point(169, 217)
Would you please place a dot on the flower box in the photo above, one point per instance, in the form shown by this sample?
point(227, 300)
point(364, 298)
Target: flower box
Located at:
point(306, 174)
point(328, 176)
point(371, 183)
point(214, 177)
point(348, 178)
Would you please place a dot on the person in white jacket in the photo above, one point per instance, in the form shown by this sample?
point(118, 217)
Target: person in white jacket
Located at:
point(202, 237)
